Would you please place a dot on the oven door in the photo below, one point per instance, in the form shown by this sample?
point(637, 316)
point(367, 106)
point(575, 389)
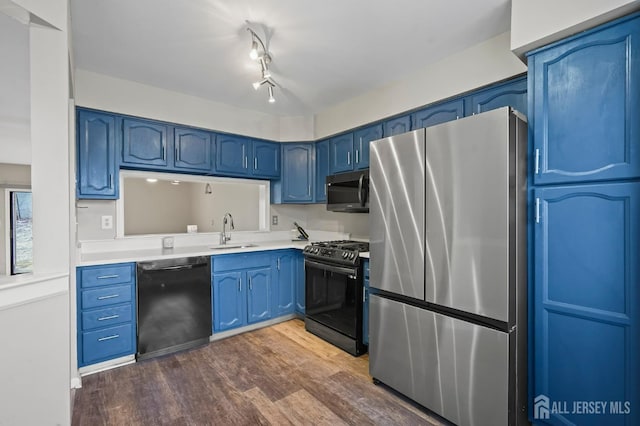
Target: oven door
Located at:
point(333, 296)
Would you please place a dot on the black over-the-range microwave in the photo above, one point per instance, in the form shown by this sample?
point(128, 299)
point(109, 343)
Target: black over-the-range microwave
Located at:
point(348, 192)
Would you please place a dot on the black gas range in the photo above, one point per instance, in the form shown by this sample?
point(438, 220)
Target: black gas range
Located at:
point(343, 252)
point(334, 293)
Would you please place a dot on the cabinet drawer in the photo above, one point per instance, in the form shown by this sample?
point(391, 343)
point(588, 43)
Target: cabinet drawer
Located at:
point(106, 296)
point(106, 275)
point(107, 342)
point(240, 261)
point(107, 317)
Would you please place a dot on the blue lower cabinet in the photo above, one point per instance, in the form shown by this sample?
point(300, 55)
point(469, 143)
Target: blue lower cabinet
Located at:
point(107, 343)
point(229, 301)
point(586, 293)
point(283, 266)
point(242, 288)
point(258, 300)
point(106, 312)
point(300, 284)
point(365, 305)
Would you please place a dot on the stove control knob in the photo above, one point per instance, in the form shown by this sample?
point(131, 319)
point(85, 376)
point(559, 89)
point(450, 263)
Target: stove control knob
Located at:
point(345, 255)
point(352, 256)
point(316, 250)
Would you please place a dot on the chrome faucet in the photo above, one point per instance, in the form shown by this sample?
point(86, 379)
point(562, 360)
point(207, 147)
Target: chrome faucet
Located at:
point(223, 235)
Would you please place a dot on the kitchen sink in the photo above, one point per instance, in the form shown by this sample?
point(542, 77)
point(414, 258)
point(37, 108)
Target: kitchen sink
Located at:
point(232, 246)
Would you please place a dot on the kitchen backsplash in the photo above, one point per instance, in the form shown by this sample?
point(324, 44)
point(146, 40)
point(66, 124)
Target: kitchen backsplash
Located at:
point(316, 216)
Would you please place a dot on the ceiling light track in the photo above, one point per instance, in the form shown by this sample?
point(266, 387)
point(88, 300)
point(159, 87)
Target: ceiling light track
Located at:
point(260, 53)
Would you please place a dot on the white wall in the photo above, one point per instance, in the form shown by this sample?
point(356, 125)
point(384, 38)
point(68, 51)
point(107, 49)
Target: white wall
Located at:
point(106, 93)
point(477, 66)
point(535, 23)
point(15, 145)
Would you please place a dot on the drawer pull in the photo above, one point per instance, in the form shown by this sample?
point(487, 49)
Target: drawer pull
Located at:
point(111, 296)
point(106, 277)
point(113, 336)
point(109, 317)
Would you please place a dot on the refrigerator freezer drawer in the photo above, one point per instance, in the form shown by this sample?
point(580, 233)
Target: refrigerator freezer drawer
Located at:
point(457, 369)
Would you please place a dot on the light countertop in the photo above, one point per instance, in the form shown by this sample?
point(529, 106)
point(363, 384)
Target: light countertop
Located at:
point(141, 255)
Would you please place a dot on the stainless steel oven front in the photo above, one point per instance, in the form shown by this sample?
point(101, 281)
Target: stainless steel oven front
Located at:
point(333, 298)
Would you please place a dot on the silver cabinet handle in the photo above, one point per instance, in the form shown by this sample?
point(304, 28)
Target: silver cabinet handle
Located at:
point(537, 210)
point(110, 181)
point(278, 264)
point(106, 277)
point(255, 163)
point(364, 296)
point(250, 286)
point(357, 156)
point(348, 158)
point(239, 284)
point(113, 336)
point(108, 318)
point(164, 151)
point(111, 296)
point(176, 154)
point(309, 189)
point(537, 161)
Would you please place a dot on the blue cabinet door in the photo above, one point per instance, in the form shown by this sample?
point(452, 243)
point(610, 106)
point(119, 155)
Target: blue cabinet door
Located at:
point(232, 155)
point(97, 172)
point(300, 284)
point(362, 139)
point(144, 143)
point(258, 295)
point(585, 106)
point(587, 288)
point(284, 286)
point(341, 153)
point(322, 170)
point(436, 114)
point(229, 300)
point(397, 125)
point(266, 159)
point(298, 172)
point(193, 149)
point(512, 93)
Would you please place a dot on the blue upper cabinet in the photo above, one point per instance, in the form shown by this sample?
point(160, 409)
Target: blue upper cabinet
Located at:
point(322, 170)
point(512, 93)
point(341, 153)
point(298, 172)
point(266, 159)
point(193, 149)
point(586, 292)
point(144, 143)
point(585, 106)
point(397, 125)
point(437, 114)
point(232, 155)
point(97, 170)
point(362, 138)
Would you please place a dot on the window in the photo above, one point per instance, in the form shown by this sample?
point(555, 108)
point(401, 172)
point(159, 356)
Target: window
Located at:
point(20, 228)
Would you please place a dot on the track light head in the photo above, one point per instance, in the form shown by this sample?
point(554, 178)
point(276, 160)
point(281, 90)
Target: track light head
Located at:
point(257, 84)
point(271, 98)
point(253, 53)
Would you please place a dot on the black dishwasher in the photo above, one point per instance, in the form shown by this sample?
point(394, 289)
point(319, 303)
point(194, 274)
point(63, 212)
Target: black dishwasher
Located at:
point(174, 305)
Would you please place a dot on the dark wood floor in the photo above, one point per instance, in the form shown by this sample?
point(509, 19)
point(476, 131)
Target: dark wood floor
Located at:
point(278, 375)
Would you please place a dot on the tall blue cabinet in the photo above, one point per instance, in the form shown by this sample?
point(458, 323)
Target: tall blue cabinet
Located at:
point(584, 104)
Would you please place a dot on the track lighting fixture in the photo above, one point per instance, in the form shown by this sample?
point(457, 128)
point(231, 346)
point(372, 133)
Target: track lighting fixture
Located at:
point(259, 53)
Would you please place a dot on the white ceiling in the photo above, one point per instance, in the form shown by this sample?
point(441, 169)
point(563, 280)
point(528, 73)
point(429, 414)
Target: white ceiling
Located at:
point(324, 52)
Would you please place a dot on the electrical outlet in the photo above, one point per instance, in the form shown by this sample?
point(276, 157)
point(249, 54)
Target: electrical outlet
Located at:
point(274, 220)
point(107, 222)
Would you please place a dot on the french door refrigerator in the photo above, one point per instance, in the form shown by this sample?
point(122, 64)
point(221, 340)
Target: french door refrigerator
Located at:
point(448, 318)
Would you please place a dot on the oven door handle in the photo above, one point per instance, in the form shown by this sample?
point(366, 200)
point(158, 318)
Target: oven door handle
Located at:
point(331, 268)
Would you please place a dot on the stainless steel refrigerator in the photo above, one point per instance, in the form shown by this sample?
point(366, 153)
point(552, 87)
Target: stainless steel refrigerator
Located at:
point(448, 320)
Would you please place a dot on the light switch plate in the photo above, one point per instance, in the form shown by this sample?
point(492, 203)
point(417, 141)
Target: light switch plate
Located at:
point(274, 219)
